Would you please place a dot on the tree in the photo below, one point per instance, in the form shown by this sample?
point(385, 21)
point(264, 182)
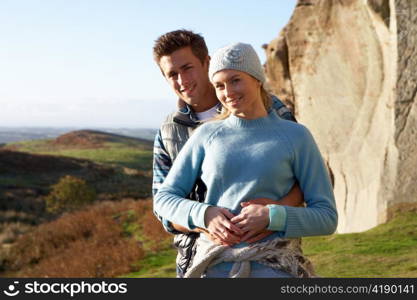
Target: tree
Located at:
point(68, 194)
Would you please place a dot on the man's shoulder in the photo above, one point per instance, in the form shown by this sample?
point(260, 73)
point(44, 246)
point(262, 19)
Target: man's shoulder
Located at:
point(183, 117)
point(168, 118)
point(281, 109)
point(175, 122)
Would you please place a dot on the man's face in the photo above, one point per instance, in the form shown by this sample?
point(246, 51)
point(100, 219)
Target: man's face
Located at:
point(186, 75)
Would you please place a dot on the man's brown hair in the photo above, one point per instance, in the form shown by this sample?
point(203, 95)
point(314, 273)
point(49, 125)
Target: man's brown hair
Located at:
point(172, 41)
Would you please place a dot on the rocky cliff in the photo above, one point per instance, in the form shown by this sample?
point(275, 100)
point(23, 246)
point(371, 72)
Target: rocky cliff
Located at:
point(346, 68)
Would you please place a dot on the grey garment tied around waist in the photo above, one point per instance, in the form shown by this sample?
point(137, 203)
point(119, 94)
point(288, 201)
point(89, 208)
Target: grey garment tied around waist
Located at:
point(281, 254)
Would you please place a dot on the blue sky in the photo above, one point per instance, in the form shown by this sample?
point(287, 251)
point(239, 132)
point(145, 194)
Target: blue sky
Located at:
point(88, 63)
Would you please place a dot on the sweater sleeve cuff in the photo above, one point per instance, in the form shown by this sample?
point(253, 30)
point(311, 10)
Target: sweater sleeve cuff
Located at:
point(277, 217)
point(197, 215)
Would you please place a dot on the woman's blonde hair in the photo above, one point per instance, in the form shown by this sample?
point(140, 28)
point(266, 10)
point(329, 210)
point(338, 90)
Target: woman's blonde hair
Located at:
point(266, 100)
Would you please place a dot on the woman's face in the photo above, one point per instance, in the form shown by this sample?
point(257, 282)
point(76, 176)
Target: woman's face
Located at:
point(240, 93)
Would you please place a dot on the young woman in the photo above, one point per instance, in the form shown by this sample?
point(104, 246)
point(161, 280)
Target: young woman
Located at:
point(250, 153)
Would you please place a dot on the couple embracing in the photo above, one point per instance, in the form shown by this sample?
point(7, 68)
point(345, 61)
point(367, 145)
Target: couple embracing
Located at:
point(236, 179)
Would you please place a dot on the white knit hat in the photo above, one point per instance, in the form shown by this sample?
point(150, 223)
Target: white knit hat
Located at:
point(239, 56)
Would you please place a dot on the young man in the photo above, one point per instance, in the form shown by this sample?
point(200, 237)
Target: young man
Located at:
point(183, 59)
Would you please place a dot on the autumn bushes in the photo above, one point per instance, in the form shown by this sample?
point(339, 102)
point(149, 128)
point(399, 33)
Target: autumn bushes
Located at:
point(75, 216)
point(106, 239)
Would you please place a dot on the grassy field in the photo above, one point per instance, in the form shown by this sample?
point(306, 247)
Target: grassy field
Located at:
point(160, 265)
point(111, 153)
point(388, 250)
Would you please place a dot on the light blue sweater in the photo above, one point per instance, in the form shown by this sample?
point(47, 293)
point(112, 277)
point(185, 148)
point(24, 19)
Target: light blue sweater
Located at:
point(240, 160)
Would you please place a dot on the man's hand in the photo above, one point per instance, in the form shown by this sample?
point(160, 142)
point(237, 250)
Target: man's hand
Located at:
point(218, 225)
point(211, 237)
point(295, 197)
point(257, 237)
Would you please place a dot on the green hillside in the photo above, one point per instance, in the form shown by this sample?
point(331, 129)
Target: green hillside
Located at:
point(388, 250)
point(116, 167)
point(100, 147)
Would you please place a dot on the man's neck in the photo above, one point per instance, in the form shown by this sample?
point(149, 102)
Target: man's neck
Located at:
point(207, 114)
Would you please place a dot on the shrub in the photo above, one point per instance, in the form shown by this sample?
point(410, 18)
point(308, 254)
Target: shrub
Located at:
point(68, 194)
point(158, 238)
point(85, 243)
point(9, 232)
point(140, 223)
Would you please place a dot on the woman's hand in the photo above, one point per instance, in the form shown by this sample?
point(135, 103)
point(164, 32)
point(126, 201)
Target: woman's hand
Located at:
point(218, 224)
point(253, 219)
point(212, 237)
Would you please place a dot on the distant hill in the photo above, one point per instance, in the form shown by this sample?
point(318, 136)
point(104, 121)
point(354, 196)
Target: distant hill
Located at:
point(10, 135)
point(94, 138)
point(97, 139)
point(18, 134)
point(78, 140)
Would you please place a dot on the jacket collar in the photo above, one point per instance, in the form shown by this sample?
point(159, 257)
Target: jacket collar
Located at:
point(187, 117)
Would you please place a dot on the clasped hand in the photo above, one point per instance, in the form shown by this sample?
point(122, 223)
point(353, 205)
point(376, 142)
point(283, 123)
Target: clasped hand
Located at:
point(249, 225)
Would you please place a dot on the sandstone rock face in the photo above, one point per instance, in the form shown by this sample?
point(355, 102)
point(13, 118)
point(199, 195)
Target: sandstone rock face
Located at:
point(347, 72)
